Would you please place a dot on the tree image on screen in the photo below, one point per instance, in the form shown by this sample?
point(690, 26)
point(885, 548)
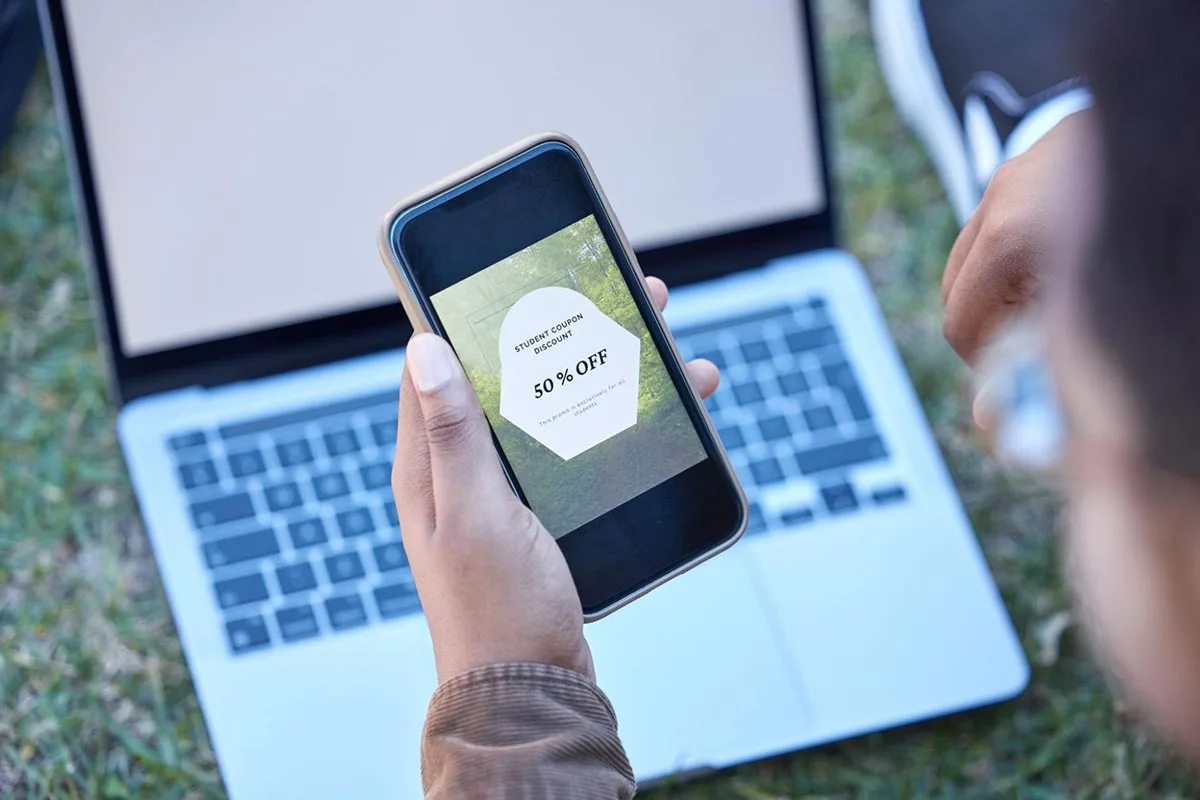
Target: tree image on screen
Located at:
point(569, 376)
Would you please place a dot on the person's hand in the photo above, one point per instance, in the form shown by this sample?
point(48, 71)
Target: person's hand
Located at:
point(494, 585)
point(1009, 244)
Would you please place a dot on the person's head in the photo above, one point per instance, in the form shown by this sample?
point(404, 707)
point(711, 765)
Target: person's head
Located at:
point(1124, 324)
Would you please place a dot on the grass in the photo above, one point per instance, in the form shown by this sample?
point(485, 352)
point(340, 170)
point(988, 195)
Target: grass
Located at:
point(95, 700)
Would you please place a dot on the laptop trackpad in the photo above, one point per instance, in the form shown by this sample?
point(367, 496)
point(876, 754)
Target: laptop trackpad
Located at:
point(696, 673)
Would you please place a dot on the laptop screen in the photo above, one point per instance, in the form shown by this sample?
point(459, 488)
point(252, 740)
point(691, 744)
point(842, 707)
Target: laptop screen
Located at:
point(244, 153)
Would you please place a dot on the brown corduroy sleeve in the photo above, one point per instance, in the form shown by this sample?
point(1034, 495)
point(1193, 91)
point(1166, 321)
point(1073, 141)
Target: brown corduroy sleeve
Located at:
point(517, 731)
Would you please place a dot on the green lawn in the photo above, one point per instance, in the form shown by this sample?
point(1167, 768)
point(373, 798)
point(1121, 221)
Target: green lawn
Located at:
point(95, 700)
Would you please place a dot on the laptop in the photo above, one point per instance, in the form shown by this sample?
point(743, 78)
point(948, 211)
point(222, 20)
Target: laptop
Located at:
point(232, 166)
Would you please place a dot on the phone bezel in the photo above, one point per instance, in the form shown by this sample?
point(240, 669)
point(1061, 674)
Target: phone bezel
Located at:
point(417, 305)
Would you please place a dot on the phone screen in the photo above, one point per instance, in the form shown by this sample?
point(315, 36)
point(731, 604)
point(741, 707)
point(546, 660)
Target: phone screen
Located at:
point(521, 270)
point(564, 366)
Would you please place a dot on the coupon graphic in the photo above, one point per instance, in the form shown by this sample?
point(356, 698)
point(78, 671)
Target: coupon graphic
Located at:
point(583, 407)
point(568, 373)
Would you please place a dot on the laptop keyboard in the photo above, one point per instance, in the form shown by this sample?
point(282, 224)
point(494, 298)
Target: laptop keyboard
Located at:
point(793, 416)
point(298, 530)
point(296, 521)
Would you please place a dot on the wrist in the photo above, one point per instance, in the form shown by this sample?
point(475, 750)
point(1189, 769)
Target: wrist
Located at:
point(577, 660)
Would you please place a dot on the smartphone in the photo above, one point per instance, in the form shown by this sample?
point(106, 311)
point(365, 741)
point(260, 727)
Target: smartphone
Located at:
point(519, 263)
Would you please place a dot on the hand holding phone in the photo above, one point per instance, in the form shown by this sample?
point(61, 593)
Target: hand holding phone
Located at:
point(470, 540)
point(519, 264)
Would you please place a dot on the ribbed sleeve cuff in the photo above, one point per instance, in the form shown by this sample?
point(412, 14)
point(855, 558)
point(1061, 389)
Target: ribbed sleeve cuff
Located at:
point(523, 731)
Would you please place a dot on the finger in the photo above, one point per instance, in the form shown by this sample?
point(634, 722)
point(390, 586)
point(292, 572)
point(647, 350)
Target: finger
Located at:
point(983, 409)
point(959, 252)
point(704, 376)
point(702, 373)
point(658, 292)
point(412, 481)
point(463, 463)
point(985, 297)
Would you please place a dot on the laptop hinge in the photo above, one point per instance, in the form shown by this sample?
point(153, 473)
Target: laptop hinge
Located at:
point(264, 363)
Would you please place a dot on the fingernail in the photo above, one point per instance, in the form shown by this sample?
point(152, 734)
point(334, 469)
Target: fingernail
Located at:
point(430, 362)
point(983, 408)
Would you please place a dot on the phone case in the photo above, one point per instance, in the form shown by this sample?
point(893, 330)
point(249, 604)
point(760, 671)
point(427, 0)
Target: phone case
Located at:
point(420, 322)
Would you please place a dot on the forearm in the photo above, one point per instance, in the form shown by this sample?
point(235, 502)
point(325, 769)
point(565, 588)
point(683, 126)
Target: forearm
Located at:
point(516, 731)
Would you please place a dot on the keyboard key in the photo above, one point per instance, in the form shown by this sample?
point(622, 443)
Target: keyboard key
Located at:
point(296, 578)
point(857, 404)
point(889, 495)
point(817, 315)
point(330, 485)
point(842, 376)
point(236, 549)
point(183, 441)
point(732, 437)
point(803, 341)
point(384, 432)
point(240, 591)
point(757, 523)
point(819, 418)
point(755, 350)
point(389, 513)
point(715, 356)
point(355, 522)
point(832, 355)
point(747, 393)
point(841, 455)
point(297, 623)
point(774, 429)
point(345, 612)
point(344, 567)
point(247, 634)
point(341, 442)
point(390, 556)
point(376, 476)
point(797, 516)
point(220, 510)
point(793, 383)
point(294, 453)
point(283, 496)
point(197, 474)
point(246, 463)
point(396, 600)
point(839, 373)
point(839, 498)
point(307, 532)
point(766, 471)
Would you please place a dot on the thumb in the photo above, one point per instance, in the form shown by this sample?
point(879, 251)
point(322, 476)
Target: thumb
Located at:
point(462, 456)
